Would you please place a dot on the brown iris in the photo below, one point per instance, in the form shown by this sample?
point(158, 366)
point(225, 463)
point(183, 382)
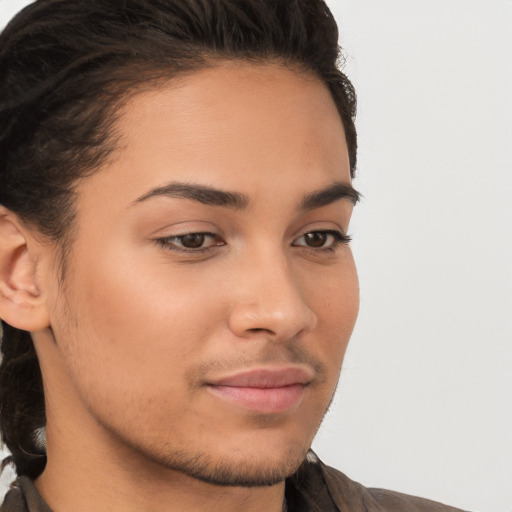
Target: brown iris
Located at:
point(315, 239)
point(193, 240)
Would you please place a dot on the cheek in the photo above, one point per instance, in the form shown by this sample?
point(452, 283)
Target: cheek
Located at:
point(138, 320)
point(336, 304)
point(334, 295)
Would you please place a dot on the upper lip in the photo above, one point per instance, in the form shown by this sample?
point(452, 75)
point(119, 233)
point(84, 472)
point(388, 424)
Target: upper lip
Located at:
point(266, 378)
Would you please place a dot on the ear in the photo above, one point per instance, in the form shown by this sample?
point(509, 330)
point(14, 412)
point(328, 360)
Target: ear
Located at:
point(22, 304)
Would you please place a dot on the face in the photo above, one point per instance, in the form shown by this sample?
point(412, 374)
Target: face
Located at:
point(211, 291)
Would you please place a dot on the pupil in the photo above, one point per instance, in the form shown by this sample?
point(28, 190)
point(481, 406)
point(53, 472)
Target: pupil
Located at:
point(193, 241)
point(316, 239)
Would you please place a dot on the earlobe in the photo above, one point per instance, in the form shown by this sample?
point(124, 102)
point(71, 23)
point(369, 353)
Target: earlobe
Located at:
point(22, 303)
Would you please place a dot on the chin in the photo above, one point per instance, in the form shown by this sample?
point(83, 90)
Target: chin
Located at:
point(262, 465)
point(240, 470)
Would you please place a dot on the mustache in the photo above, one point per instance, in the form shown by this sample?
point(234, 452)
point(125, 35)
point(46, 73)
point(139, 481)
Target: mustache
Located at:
point(268, 355)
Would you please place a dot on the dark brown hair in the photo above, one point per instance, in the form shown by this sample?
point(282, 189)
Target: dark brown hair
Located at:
point(66, 66)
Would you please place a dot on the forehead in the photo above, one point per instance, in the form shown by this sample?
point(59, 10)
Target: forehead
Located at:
point(235, 126)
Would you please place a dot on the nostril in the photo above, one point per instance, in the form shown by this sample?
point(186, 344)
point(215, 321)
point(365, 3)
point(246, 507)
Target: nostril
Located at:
point(280, 319)
point(259, 330)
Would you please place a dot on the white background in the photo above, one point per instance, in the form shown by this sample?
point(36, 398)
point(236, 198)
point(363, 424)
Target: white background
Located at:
point(425, 400)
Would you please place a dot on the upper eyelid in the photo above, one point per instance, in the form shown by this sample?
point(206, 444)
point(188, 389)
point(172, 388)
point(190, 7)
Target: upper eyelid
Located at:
point(334, 230)
point(166, 241)
point(188, 233)
point(183, 235)
point(339, 231)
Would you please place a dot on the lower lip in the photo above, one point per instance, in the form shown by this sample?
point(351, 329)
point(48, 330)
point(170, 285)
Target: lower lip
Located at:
point(262, 400)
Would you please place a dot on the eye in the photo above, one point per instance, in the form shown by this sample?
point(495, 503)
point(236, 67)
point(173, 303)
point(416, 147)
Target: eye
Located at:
point(191, 242)
point(324, 240)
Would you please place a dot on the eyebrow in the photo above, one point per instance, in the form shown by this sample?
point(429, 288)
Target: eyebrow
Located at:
point(200, 193)
point(234, 200)
point(334, 192)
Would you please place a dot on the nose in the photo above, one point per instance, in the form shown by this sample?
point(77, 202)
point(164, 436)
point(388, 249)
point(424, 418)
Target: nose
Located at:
point(270, 302)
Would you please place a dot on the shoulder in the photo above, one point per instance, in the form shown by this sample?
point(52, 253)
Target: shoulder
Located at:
point(380, 499)
point(14, 500)
point(316, 481)
point(23, 497)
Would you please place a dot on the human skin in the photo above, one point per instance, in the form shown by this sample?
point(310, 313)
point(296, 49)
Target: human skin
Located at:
point(140, 334)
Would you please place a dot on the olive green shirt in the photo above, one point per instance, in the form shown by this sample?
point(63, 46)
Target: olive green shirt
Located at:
point(314, 488)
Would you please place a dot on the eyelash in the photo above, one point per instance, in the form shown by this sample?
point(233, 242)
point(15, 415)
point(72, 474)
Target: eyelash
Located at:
point(169, 242)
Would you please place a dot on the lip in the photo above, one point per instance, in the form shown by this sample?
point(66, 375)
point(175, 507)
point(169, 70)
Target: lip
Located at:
point(264, 390)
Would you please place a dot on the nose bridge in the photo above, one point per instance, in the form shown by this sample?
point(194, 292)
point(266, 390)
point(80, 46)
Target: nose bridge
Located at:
point(271, 300)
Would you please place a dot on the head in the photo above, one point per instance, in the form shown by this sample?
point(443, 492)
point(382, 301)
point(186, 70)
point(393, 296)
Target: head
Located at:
point(175, 193)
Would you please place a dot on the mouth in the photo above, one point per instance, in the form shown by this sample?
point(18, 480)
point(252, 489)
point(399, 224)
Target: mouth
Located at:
point(264, 390)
